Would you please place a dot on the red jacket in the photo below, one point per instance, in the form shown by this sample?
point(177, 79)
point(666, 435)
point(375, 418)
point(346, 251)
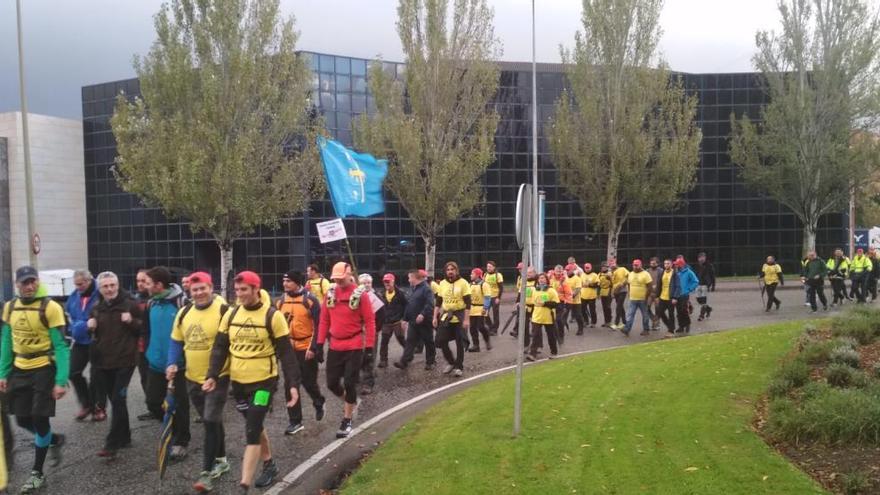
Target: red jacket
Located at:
point(349, 329)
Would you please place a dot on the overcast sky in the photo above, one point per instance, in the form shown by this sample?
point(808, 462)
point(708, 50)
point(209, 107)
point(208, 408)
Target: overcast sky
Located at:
point(71, 43)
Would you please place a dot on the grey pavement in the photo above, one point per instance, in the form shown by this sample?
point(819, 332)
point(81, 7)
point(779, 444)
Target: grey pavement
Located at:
point(134, 471)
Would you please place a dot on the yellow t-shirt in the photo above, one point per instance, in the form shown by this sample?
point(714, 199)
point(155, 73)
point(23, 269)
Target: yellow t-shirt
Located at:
point(771, 273)
point(666, 285)
point(574, 283)
point(477, 292)
point(543, 315)
point(490, 284)
point(604, 284)
point(452, 294)
point(638, 285)
point(435, 287)
point(29, 335)
point(319, 287)
point(588, 290)
point(251, 346)
point(197, 331)
point(619, 277)
point(389, 295)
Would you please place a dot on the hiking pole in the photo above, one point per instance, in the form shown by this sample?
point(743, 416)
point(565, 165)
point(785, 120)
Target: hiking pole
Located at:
point(763, 289)
point(509, 321)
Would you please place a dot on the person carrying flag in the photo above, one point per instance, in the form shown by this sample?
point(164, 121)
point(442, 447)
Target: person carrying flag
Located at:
point(34, 366)
point(253, 337)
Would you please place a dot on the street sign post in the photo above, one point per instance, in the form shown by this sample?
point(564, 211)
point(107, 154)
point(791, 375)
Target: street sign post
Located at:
point(524, 241)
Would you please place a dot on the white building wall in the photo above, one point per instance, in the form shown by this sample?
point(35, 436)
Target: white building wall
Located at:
point(59, 190)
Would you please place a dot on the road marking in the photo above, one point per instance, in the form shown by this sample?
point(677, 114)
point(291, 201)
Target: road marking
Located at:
point(293, 476)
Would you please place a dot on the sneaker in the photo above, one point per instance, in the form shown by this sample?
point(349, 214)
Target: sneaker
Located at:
point(83, 414)
point(267, 477)
point(107, 453)
point(243, 489)
point(644, 333)
point(488, 346)
point(552, 356)
point(624, 331)
point(530, 357)
point(221, 467)
point(700, 318)
point(178, 453)
point(448, 369)
point(669, 335)
point(429, 366)
point(708, 312)
point(473, 349)
point(400, 365)
point(205, 483)
point(457, 372)
point(319, 411)
point(579, 332)
point(294, 428)
point(777, 305)
point(36, 482)
point(807, 305)
point(382, 364)
point(55, 450)
point(147, 416)
point(99, 415)
point(366, 390)
point(824, 308)
point(344, 429)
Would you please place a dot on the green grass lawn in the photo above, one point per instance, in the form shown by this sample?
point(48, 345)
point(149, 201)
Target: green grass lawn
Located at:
point(670, 417)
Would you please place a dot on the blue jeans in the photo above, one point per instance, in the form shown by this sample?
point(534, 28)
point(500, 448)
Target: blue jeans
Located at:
point(631, 313)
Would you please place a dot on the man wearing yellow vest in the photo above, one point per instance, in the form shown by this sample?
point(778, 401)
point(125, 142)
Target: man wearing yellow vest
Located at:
point(451, 318)
point(619, 275)
point(254, 336)
point(860, 268)
point(303, 313)
point(318, 285)
point(544, 300)
point(575, 284)
point(605, 292)
point(193, 334)
point(589, 293)
point(478, 312)
point(493, 287)
point(34, 366)
point(838, 269)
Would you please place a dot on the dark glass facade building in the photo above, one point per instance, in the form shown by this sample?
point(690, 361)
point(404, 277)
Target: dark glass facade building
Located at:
point(721, 216)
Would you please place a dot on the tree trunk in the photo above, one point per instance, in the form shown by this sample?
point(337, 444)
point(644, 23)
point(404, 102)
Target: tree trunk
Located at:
point(226, 272)
point(809, 237)
point(430, 254)
point(613, 236)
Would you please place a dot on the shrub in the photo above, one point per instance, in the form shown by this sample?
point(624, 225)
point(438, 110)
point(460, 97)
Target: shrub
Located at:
point(861, 323)
point(855, 483)
point(876, 369)
point(817, 352)
point(843, 375)
point(780, 387)
point(813, 389)
point(848, 342)
point(795, 372)
point(845, 355)
point(830, 415)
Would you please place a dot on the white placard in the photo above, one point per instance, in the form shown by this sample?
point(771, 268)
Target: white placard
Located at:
point(331, 230)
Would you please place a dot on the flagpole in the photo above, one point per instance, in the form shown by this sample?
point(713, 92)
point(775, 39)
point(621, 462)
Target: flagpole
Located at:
point(535, 255)
point(25, 135)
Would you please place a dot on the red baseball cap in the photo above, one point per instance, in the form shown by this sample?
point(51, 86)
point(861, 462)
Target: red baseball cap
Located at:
point(519, 266)
point(570, 267)
point(200, 278)
point(679, 262)
point(423, 272)
point(250, 278)
point(389, 277)
point(478, 272)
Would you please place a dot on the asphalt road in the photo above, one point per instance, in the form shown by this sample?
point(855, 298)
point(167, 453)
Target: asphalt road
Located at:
point(134, 471)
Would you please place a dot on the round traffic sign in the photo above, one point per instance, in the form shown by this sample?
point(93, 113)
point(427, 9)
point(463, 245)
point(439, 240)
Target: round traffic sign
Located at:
point(36, 244)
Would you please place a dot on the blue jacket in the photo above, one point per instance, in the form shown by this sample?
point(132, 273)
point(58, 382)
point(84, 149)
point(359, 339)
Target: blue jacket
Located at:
point(420, 302)
point(687, 282)
point(159, 316)
point(78, 308)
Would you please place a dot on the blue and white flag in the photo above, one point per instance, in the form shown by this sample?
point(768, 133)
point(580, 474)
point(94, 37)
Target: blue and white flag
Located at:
point(354, 180)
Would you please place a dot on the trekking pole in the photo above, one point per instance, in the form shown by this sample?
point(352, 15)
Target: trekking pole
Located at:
point(763, 289)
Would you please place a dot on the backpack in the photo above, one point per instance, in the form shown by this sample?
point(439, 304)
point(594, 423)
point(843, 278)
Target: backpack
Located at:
point(184, 310)
point(44, 303)
point(270, 313)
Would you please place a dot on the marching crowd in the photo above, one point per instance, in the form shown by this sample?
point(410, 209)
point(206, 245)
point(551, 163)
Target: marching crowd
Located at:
point(187, 341)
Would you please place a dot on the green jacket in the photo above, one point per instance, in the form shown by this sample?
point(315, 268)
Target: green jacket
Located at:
point(814, 269)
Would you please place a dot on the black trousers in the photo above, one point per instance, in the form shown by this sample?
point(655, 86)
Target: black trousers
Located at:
point(814, 288)
point(496, 317)
point(606, 309)
point(451, 332)
point(771, 296)
point(143, 370)
point(87, 394)
point(666, 312)
point(681, 311)
point(575, 309)
point(620, 308)
point(838, 288)
point(389, 329)
point(478, 327)
point(858, 287)
point(115, 382)
point(308, 370)
point(157, 387)
point(419, 335)
point(368, 368)
point(537, 331)
point(588, 307)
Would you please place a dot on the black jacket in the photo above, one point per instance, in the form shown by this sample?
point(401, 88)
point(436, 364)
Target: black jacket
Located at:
point(420, 302)
point(395, 309)
point(705, 274)
point(115, 344)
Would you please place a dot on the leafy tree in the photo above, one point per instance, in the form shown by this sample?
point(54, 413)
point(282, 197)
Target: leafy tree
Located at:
point(223, 134)
point(436, 125)
point(821, 73)
point(623, 139)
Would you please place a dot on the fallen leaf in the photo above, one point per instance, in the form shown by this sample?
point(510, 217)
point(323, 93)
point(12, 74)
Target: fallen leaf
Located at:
point(585, 445)
point(764, 478)
point(692, 469)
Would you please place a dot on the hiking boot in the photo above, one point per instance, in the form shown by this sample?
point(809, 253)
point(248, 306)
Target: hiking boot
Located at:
point(205, 483)
point(429, 366)
point(474, 349)
point(669, 335)
point(267, 477)
point(55, 449)
point(530, 357)
point(624, 331)
point(457, 372)
point(448, 369)
point(400, 365)
point(778, 303)
point(383, 363)
point(700, 318)
point(294, 428)
point(147, 416)
point(644, 333)
point(488, 346)
point(552, 356)
point(36, 482)
point(99, 415)
point(708, 312)
point(579, 332)
point(83, 414)
point(178, 453)
point(366, 390)
point(319, 410)
point(221, 467)
point(344, 429)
